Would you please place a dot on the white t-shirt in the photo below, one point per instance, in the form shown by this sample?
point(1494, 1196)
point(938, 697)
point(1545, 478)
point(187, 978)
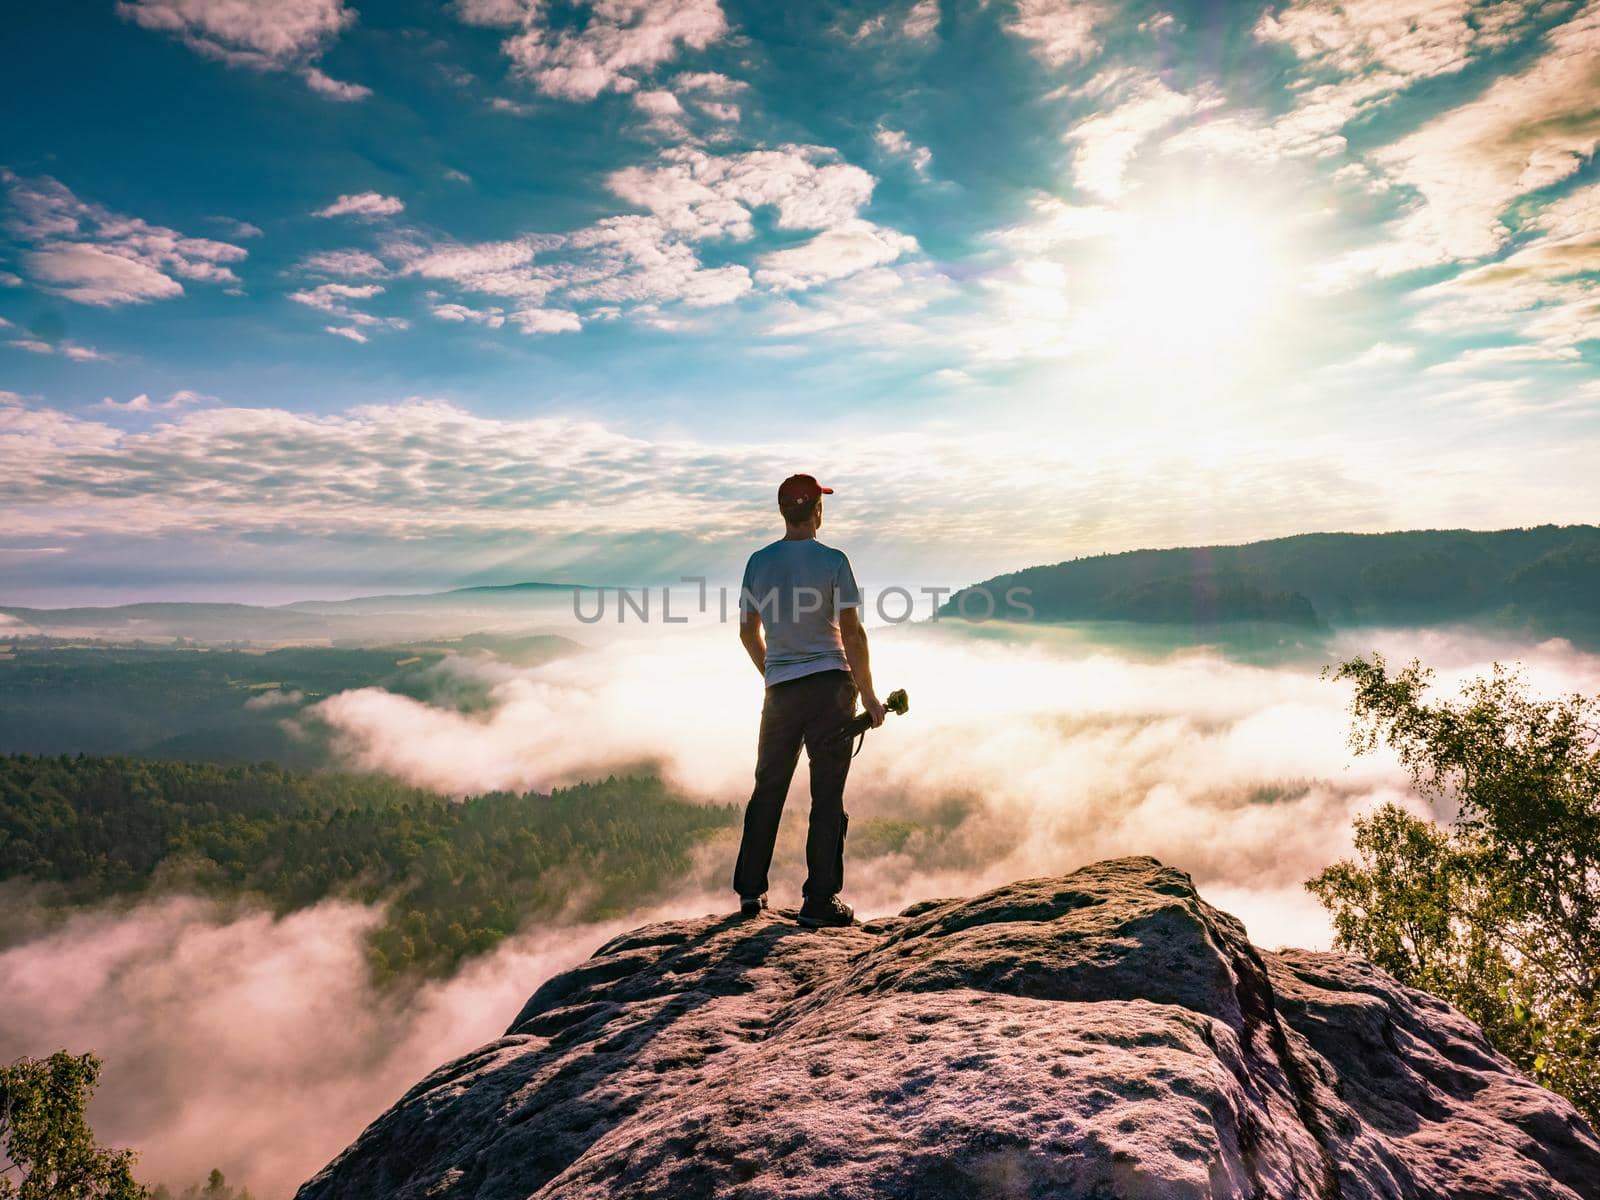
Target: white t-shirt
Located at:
point(799, 588)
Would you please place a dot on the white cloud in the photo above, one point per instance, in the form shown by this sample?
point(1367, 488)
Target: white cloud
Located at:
point(636, 262)
point(701, 195)
point(1056, 224)
point(87, 253)
point(834, 253)
point(640, 258)
point(492, 268)
point(1062, 31)
point(663, 111)
point(92, 275)
point(1402, 40)
point(922, 22)
point(281, 35)
point(617, 42)
point(497, 12)
point(658, 103)
point(1310, 130)
point(334, 299)
point(330, 297)
point(367, 205)
point(62, 347)
point(1108, 141)
point(1525, 132)
point(718, 110)
point(1358, 174)
point(1482, 357)
point(712, 83)
point(275, 698)
point(1357, 56)
point(545, 320)
point(240, 229)
point(142, 403)
point(529, 320)
point(335, 89)
point(896, 142)
point(869, 27)
point(882, 306)
point(1548, 290)
point(505, 105)
point(493, 317)
point(474, 491)
point(395, 465)
point(1576, 214)
point(1383, 354)
point(1029, 314)
point(424, 467)
point(356, 264)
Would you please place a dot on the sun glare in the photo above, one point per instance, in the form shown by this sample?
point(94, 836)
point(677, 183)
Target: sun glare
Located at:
point(1187, 283)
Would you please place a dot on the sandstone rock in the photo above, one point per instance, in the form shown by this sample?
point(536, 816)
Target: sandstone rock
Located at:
point(1104, 1034)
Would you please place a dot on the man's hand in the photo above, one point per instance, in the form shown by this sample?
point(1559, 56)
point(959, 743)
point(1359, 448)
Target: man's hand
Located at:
point(874, 708)
point(754, 640)
point(854, 638)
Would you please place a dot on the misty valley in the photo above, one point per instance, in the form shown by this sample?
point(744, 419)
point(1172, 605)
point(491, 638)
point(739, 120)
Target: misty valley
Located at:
point(271, 880)
point(454, 877)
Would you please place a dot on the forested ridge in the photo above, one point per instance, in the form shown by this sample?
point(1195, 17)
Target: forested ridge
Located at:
point(457, 876)
point(1543, 580)
point(217, 704)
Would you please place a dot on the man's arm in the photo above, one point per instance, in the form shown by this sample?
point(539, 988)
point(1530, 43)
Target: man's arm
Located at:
point(854, 637)
point(754, 639)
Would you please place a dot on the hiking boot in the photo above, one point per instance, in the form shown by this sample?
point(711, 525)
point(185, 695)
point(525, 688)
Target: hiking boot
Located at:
point(753, 906)
point(831, 913)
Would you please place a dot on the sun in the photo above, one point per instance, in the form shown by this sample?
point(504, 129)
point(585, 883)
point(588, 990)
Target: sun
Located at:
point(1189, 281)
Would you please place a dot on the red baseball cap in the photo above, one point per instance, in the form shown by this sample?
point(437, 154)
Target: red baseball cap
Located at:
point(800, 489)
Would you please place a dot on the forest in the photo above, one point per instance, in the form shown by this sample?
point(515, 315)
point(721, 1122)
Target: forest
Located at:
point(456, 877)
point(217, 703)
point(1543, 581)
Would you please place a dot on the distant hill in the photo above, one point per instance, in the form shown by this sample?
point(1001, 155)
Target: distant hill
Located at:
point(488, 596)
point(202, 622)
point(364, 618)
point(1543, 580)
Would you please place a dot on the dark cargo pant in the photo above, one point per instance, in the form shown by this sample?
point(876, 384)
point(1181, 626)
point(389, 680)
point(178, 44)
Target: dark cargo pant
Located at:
point(810, 710)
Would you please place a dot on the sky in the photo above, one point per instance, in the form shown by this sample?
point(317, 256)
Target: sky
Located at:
point(316, 297)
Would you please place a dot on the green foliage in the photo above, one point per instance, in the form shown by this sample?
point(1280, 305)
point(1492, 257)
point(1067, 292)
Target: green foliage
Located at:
point(46, 1145)
point(1500, 913)
point(458, 877)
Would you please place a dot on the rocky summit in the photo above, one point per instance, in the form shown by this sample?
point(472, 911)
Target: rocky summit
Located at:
point(1102, 1034)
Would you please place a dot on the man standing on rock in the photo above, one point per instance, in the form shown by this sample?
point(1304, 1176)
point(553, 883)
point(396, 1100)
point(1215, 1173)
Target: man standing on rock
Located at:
point(800, 621)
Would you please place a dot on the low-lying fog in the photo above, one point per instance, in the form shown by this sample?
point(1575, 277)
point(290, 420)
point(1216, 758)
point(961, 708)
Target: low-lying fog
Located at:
point(257, 1045)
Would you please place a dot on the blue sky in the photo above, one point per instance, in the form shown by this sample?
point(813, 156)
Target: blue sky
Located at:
point(314, 297)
